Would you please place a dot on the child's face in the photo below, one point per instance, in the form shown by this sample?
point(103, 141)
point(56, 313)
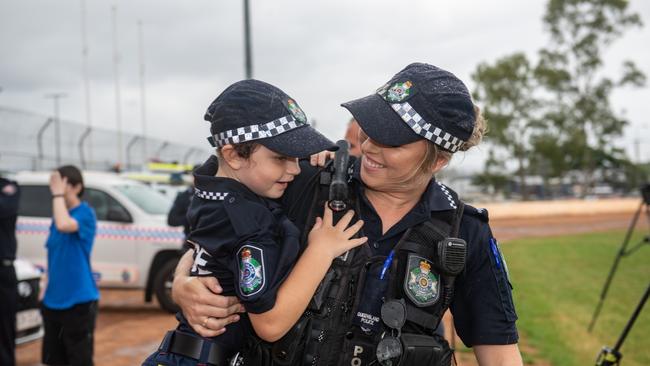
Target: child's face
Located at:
point(268, 173)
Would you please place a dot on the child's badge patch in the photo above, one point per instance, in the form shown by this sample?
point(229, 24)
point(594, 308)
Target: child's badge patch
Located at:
point(296, 112)
point(399, 91)
point(420, 284)
point(251, 270)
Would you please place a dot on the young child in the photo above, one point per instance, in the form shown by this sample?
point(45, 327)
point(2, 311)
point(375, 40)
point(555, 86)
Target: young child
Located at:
point(241, 236)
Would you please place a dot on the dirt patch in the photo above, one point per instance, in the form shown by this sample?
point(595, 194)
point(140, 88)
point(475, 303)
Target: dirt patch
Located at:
point(537, 209)
point(128, 329)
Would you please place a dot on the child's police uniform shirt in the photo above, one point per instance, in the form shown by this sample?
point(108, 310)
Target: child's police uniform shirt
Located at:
point(483, 309)
point(242, 239)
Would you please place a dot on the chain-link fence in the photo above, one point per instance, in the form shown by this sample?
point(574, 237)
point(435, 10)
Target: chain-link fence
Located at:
point(28, 141)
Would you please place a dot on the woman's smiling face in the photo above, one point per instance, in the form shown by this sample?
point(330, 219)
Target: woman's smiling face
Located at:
point(388, 166)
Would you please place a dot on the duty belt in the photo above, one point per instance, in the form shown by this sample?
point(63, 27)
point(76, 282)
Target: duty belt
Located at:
point(191, 346)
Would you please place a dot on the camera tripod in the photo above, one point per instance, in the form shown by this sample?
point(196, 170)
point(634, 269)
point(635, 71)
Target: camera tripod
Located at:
point(607, 356)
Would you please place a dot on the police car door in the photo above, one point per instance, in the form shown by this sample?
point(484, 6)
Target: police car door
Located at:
point(114, 254)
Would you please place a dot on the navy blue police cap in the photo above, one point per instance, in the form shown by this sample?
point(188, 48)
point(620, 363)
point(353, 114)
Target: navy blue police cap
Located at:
point(420, 102)
point(252, 110)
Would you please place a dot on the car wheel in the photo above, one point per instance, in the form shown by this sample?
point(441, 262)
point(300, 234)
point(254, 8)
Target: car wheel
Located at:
point(162, 285)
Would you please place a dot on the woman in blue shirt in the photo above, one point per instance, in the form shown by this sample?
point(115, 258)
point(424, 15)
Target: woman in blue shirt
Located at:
point(70, 302)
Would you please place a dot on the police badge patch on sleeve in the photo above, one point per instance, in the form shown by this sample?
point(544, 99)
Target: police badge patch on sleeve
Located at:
point(420, 284)
point(251, 270)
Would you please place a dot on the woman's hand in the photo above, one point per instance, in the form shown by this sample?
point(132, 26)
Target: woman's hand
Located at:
point(334, 240)
point(206, 311)
point(321, 158)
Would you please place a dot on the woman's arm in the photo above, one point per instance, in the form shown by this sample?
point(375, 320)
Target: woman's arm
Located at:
point(498, 355)
point(206, 311)
point(326, 242)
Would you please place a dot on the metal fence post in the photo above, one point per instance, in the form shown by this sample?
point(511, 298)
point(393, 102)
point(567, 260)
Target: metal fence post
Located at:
point(39, 141)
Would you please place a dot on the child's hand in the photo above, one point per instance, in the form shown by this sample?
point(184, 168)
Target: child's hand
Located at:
point(321, 158)
point(334, 240)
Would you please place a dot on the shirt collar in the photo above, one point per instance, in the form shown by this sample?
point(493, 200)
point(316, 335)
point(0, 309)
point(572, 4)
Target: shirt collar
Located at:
point(206, 184)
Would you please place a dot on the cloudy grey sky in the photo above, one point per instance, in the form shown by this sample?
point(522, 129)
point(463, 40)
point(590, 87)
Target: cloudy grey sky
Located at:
point(320, 52)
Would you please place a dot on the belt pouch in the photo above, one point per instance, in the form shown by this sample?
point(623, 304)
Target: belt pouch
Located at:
point(420, 349)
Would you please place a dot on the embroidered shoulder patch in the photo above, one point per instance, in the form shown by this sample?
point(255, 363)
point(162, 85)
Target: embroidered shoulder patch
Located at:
point(296, 111)
point(251, 270)
point(420, 284)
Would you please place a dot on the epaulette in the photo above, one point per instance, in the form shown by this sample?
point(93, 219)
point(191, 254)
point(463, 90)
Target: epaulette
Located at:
point(480, 213)
point(246, 216)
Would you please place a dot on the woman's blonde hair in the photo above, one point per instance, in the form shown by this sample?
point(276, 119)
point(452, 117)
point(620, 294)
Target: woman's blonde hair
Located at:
point(434, 152)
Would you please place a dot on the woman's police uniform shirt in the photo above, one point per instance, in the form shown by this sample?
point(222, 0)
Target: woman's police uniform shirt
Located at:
point(242, 239)
point(483, 309)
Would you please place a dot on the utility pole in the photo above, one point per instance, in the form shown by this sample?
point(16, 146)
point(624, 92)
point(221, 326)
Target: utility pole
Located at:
point(247, 42)
point(84, 55)
point(143, 101)
point(57, 124)
point(116, 75)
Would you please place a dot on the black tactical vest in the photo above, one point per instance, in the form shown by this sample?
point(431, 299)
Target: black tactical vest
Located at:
point(366, 301)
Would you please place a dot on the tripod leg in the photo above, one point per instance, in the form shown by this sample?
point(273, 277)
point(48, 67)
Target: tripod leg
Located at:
point(621, 251)
point(630, 323)
point(612, 356)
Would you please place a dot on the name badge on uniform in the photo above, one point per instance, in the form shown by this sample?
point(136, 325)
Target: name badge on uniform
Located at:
point(251, 270)
point(420, 284)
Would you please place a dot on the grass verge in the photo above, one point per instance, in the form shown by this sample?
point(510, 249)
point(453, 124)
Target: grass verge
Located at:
point(557, 283)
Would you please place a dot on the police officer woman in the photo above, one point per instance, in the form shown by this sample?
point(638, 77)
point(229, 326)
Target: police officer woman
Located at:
point(427, 251)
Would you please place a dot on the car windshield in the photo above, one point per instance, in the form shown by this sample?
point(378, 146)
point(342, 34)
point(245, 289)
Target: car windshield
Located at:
point(146, 198)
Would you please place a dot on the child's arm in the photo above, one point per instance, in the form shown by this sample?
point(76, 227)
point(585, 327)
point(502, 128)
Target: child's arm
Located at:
point(326, 242)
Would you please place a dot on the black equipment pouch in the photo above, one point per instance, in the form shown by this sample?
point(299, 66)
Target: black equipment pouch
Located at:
point(359, 348)
point(286, 350)
point(323, 290)
point(424, 350)
point(368, 302)
point(256, 352)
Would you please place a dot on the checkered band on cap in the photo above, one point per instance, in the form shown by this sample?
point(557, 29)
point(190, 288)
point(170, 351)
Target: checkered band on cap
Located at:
point(426, 129)
point(214, 196)
point(256, 132)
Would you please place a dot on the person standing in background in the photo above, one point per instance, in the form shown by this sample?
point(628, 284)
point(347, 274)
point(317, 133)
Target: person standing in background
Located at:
point(70, 304)
point(9, 195)
point(352, 137)
point(177, 215)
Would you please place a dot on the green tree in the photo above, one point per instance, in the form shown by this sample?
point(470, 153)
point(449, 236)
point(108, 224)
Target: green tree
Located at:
point(580, 119)
point(493, 179)
point(506, 89)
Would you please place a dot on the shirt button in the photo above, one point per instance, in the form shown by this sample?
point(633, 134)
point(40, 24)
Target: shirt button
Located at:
point(375, 245)
point(231, 199)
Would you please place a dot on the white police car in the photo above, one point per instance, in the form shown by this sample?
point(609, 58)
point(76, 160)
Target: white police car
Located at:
point(29, 324)
point(134, 247)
